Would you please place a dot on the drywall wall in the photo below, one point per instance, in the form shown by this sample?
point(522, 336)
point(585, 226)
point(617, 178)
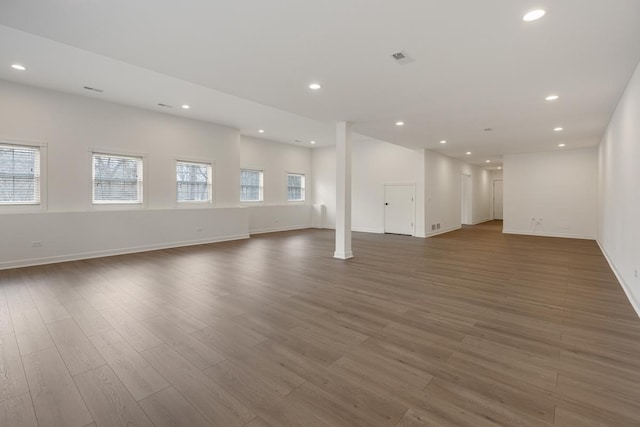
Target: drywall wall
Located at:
point(495, 175)
point(65, 236)
point(619, 195)
point(71, 126)
point(275, 160)
point(374, 164)
point(443, 177)
point(324, 185)
point(552, 193)
point(482, 188)
point(437, 180)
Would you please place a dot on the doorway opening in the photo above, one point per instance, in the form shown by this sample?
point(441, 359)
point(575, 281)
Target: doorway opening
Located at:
point(497, 200)
point(466, 201)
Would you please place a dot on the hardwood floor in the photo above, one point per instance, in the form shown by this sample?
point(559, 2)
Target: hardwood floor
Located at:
point(471, 328)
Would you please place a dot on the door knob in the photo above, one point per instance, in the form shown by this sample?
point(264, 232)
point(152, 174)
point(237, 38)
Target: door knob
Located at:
point(386, 204)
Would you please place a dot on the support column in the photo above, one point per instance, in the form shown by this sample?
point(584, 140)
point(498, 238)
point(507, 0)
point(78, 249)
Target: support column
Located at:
point(343, 191)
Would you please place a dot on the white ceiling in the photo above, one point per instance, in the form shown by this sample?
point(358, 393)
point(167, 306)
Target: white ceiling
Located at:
point(247, 63)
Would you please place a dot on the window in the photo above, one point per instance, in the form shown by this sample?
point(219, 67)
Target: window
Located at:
point(295, 187)
point(251, 185)
point(19, 175)
point(193, 182)
point(116, 179)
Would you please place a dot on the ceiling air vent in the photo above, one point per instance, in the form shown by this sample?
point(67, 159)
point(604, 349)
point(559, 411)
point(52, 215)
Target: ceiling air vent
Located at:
point(402, 57)
point(93, 89)
point(165, 105)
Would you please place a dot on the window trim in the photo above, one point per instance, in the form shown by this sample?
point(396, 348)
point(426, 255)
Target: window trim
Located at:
point(30, 207)
point(212, 183)
point(253, 202)
point(304, 177)
point(114, 205)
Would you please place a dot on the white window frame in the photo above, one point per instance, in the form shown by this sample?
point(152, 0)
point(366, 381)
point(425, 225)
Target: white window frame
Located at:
point(304, 187)
point(211, 177)
point(42, 203)
point(261, 200)
point(115, 204)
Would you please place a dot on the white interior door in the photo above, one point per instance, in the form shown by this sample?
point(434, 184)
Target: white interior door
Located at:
point(497, 200)
point(399, 209)
point(465, 204)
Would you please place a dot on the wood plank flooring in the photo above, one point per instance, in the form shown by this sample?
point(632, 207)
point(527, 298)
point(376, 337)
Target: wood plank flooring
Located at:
point(471, 328)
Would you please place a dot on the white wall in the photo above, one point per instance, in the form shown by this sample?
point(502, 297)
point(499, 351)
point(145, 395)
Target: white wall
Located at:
point(443, 177)
point(69, 236)
point(495, 175)
point(275, 213)
point(374, 164)
point(324, 185)
point(70, 126)
point(619, 183)
point(558, 188)
point(437, 179)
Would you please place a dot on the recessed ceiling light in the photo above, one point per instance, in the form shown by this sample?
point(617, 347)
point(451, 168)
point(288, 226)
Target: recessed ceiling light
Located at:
point(468, 153)
point(552, 97)
point(443, 142)
point(185, 106)
point(499, 167)
point(534, 15)
point(315, 86)
point(562, 145)
point(487, 161)
point(558, 129)
point(312, 142)
point(400, 123)
point(260, 130)
point(18, 67)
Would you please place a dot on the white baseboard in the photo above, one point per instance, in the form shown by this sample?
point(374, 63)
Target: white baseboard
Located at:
point(625, 287)
point(545, 234)
point(111, 252)
point(343, 255)
point(480, 221)
point(278, 229)
point(368, 230)
point(446, 230)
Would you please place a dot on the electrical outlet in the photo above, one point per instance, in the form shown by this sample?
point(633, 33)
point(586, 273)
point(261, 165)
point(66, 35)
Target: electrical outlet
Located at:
point(433, 227)
point(36, 244)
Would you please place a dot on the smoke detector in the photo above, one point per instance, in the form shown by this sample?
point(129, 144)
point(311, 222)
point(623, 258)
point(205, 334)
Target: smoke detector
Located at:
point(402, 57)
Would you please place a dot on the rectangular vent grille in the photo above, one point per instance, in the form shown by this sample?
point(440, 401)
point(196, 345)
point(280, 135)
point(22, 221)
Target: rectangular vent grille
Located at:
point(93, 89)
point(402, 57)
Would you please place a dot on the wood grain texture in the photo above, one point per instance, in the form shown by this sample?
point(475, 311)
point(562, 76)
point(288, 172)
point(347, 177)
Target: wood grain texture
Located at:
point(55, 397)
point(168, 408)
point(108, 400)
point(140, 378)
point(217, 405)
point(75, 348)
point(13, 383)
point(18, 412)
point(470, 328)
